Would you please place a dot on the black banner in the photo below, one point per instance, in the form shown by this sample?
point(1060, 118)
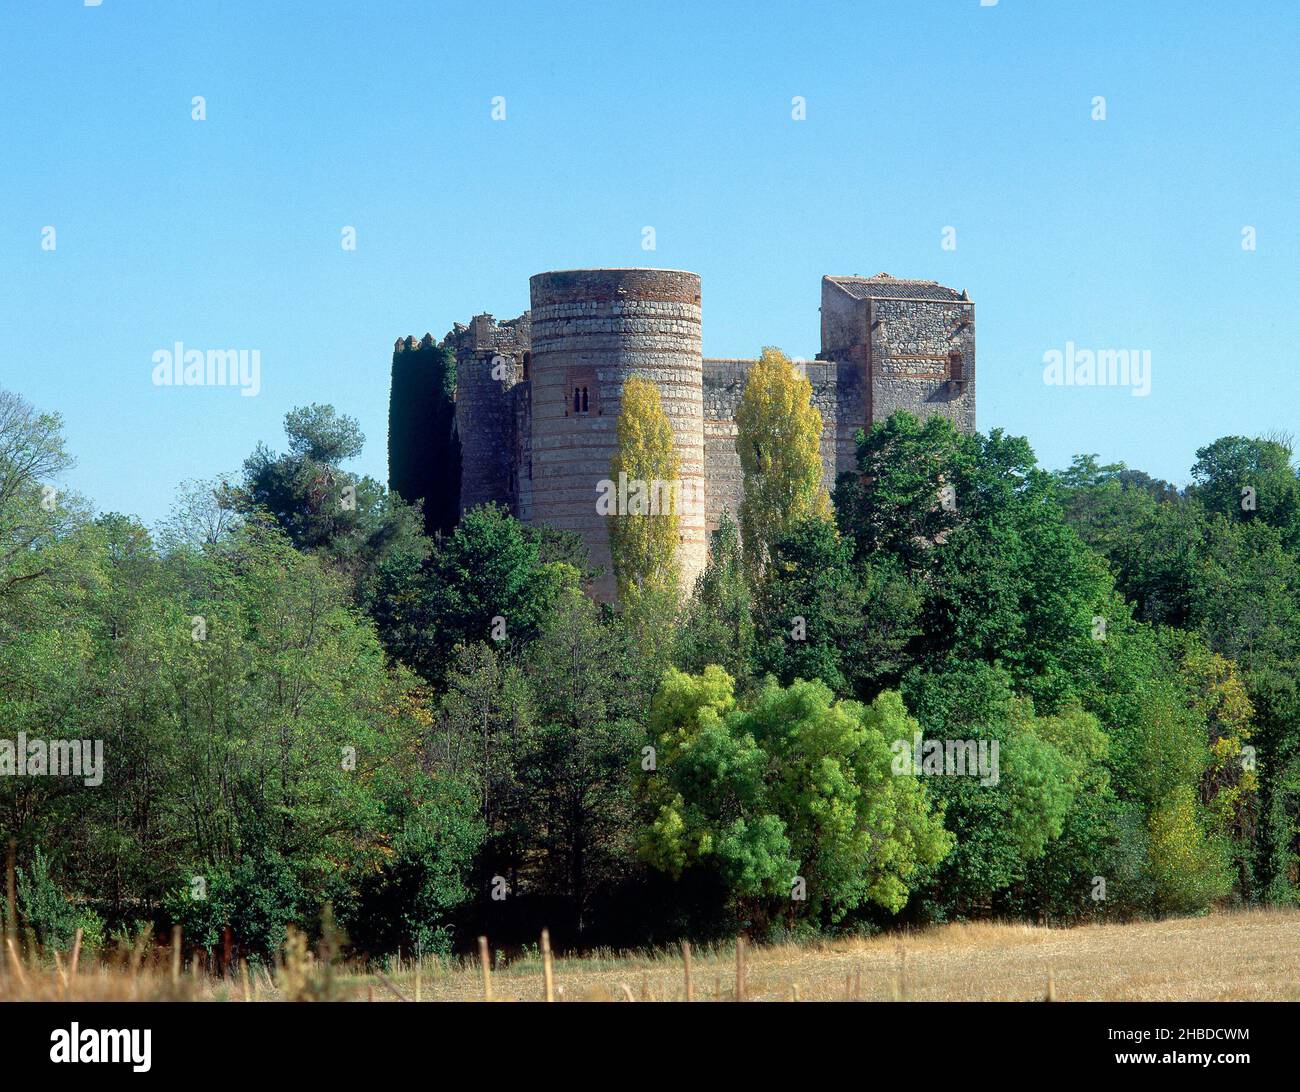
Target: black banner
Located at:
point(149, 1040)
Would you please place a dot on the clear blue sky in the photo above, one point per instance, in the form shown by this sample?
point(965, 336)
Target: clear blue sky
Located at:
point(226, 233)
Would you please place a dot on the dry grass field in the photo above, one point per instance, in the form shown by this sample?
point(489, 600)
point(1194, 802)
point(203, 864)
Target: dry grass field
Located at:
point(1250, 955)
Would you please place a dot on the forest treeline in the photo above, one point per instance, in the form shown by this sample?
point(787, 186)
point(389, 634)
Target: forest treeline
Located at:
point(304, 699)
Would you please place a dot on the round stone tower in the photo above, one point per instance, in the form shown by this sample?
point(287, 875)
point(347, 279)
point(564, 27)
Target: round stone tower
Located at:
point(592, 329)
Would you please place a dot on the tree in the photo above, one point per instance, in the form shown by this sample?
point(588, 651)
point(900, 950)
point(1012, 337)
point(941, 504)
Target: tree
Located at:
point(1246, 479)
point(486, 581)
point(808, 608)
point(890, 625)
point(1000, 824)
point(31, 456)
point(320, 434)
point(718, 624)
point(1190, 871)
point(1229, 785)
point(349, 520)
point(484, 724)
point(205, 513)
point(46, 911)
point(1156, 695)
point(975, 528)
point(778, 438)
point(253, 733)
point(578, 765)
point(905, 497)
point(409, 902)
point(1087, 870)
point(792, 797)
point(424, 455)
point(643, 540)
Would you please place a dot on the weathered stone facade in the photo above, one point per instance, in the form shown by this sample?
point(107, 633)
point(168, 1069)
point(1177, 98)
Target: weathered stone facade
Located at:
point(897, 345)
point(492, 411)
point(538, 397)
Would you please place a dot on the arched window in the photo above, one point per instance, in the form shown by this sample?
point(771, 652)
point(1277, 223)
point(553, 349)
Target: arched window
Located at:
point(528, 366)
point(585, 385)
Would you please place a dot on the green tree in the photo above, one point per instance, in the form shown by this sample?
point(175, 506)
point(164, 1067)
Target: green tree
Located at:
point(483, 732)
point(349, 520)
point(424, 455)
point(1247, 479)
point(485, 582)
point(1000, 823)
point(975, 528)
point(643, 540)
point(778, 438)
point(32, 456)
point(904, 497)
point(718, 623)
point(793, 797)
point(808, 608)
point(411, 900)
point(580, 757)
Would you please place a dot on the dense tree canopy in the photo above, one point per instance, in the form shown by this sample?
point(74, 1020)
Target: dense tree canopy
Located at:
point(980, 689)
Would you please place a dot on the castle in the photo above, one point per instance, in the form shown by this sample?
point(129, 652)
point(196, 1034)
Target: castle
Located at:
point(537, 397)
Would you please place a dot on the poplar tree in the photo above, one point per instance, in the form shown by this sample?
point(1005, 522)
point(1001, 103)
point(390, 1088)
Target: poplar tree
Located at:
point(779, 442)
point(643, 528)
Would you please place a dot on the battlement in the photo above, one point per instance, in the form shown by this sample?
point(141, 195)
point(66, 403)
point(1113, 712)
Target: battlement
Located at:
point(405, 344)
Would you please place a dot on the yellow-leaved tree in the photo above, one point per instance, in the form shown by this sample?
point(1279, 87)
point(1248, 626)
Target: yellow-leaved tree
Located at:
point(779, 442)
point(643, 521)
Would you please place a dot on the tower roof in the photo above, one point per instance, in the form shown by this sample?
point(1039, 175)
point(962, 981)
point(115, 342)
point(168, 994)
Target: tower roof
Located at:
point(883, 285)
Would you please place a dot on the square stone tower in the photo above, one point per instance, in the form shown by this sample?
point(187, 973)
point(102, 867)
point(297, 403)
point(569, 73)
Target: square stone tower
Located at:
point(897, 345)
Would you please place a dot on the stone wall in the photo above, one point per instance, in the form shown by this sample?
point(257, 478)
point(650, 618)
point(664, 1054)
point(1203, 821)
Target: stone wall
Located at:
point(521, 395)
point(844, 346)
point(922, 359)
point(487, 415)
point(898, 345)
point(824, 377)
point(724, 381)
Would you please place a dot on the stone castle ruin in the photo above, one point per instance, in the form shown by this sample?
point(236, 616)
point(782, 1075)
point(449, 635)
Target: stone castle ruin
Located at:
point(538, 397)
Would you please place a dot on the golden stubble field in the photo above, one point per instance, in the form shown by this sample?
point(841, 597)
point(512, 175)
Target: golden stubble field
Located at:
point(1240, 956)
